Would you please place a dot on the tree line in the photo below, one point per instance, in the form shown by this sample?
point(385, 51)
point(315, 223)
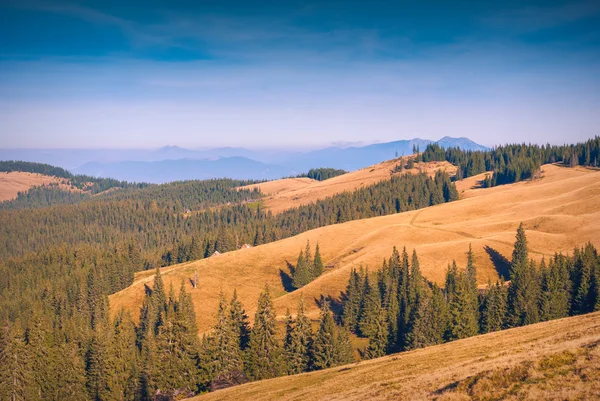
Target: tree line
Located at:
point(513, 163)
point(322, 174)
point(397, 309)
point(94, 357)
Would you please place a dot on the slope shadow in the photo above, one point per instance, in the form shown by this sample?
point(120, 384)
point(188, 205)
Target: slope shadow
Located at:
point(336, 306)
point(286, 278)
point(501, 264)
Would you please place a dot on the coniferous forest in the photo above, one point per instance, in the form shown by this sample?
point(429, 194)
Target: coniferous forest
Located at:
point(62, 253)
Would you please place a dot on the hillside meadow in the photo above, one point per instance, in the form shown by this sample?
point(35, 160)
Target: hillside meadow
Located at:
point(559, 211)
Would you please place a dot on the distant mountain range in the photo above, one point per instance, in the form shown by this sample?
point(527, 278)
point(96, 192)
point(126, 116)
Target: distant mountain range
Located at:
point(172, 163)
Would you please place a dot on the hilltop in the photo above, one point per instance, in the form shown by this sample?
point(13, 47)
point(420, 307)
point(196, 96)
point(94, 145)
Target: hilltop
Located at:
point(287, 193)
point(558, 360)
point(559, 211)
point(11, 183)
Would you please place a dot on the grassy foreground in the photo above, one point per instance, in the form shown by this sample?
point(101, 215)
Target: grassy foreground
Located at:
point(557, 360)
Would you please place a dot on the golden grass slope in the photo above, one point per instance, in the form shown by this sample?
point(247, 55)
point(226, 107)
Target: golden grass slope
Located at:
point(560, 211)
point(557, 360)
point(17, 181)
point(293, 192)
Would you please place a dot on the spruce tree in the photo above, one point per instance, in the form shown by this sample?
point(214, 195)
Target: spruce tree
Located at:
point(124, 369)
point(264, 353)
point(240, 321)
point(556, 286)
point(371, 307)
point(430, 320)
point(585, 265)
point(378, 341)
point(323, 353)
point(15, 374)
point(523, 292)
point(494, 308)
point(463, 314)
point(298, 342)
point(228, 358)
point(317, 263)
point(352, 303)
point(301, 275)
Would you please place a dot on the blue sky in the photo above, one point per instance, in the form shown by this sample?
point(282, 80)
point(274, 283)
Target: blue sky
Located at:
point(296, 74)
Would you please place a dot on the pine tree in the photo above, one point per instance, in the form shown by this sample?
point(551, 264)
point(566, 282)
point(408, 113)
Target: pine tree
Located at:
point(99, 359)
point(523, 292)
point(463, 314)
point(494, 308)
point(240, 321)
point(308, 259)
point(585, 265)
point(430, 320)
point(324, 348)
point(298, 342)
point(15, 375)
point(264, 352)
point(352, 304)
point(317, 264)
point(42, 356)
point(124, 367)
point(556, 286)
point(378, 341)
point(371, 307)
point(228, 358)
point(301, 275)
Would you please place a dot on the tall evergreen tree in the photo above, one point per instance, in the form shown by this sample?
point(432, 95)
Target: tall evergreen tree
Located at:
point(463, 313)
point(523, 292)
point(264, 353)
point(352, 304)
point(378, 341)
point(430, 320)
point(228, 358)
point(16, 374)
point(298, 342)
point(494, 308)
point(324, 350)
point(556, 288)
point(301, 275)
point(371, 307)
point(240, 321)
point(317, 263)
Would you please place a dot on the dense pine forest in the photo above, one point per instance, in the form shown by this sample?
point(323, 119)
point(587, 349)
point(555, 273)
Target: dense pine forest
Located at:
point(62, 253)
point(88, 356)
point(513, 163)
point(322, 174)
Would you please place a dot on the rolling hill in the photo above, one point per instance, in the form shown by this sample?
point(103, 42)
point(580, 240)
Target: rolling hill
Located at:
point(556, 360)
point(559, 210)
point(292, 192)
point(17, 181)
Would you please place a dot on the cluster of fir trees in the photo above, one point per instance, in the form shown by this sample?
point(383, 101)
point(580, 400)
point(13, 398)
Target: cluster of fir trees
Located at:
point(233, 353)
point(90, 357)
point(513, 163)
point(322, 174)
point(397, 309)
point(307, 268)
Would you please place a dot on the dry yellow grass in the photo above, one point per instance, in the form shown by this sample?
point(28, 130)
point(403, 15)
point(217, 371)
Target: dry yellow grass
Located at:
point(557, 360)
point(560, 211)
point(14, 182)
point(293, 192)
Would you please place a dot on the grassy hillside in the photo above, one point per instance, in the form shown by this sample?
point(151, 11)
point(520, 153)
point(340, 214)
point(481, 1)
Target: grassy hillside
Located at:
point(11, 183)
point(560, 211)
point(556, 360)
point(292, 192)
